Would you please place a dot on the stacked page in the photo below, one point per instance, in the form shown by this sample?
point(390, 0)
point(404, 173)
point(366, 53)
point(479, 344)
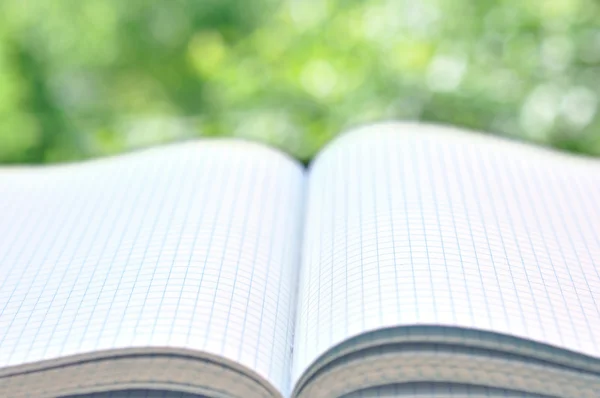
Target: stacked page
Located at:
point(408, 260)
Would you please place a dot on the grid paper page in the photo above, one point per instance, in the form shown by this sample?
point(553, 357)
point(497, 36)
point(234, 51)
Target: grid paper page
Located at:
point(409, 225)
point(191, 246)
point(439, 390)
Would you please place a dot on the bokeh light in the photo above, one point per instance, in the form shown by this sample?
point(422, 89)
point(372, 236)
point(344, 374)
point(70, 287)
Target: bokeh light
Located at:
point(89, 78)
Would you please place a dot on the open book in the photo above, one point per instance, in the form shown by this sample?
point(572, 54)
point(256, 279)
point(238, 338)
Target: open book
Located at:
point(407, 260)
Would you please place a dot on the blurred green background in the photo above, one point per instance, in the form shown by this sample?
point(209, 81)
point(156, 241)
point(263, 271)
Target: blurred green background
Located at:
point(86, 78)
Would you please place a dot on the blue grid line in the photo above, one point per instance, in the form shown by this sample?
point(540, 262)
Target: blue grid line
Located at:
point(269, 268)
point(358, 176)
point(51, 223)
point(595, 266)
point(157, 264)
point(253, 177)
point(468, 217)
point(73, 228)
point(512, 175)
point(221, 190)
point(16, 235)
point(212, 308)
point(550, 260)
point(562, 212)
point(386, 162)
point(439, 225)
point(110, 267)
point(594, 205)
point(504, 199)
point(152, 194)
point(346, 211)
point(306, 272)
point(562, 254)
point(112, 198)
point(375, 219)
point(331, 266)
point(207, 170)
point(418, 189)
point(408, 232)
point(291, 321)
point(319, 276)
point(89, 284)
point(191, 201)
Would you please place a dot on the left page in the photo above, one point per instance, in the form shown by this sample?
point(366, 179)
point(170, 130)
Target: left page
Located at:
point(190, 246)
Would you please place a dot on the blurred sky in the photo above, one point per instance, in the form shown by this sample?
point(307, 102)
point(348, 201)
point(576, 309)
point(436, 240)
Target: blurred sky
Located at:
point(80, 79)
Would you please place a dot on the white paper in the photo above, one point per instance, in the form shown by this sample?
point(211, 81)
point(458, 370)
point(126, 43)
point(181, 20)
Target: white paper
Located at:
point(191, 246)
point(416, 225)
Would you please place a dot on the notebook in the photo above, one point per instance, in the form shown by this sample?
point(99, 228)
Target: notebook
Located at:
point(407, 260)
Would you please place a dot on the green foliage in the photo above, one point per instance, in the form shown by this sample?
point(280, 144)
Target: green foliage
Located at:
point(86, 78)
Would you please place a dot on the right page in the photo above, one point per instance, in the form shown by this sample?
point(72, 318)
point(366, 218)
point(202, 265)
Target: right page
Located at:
point(411, 224)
